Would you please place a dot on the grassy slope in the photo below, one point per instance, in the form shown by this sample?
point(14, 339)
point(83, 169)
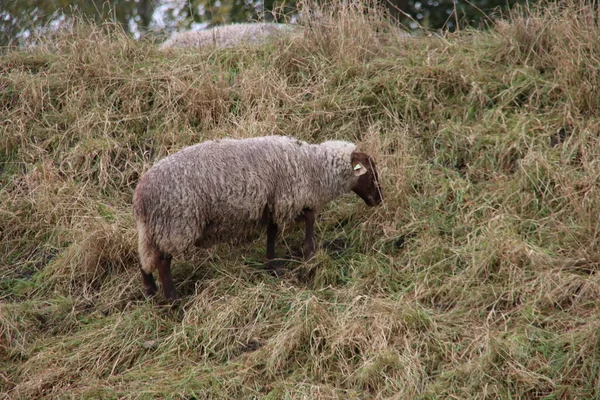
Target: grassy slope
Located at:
point(476, 279)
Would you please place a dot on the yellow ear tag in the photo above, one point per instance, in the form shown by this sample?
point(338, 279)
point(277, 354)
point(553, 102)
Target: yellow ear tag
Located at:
point(357, 167)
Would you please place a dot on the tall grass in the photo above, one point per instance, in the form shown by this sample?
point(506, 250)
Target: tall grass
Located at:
point(475, 279)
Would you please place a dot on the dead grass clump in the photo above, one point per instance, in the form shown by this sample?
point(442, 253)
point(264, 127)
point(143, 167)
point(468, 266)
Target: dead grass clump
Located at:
point(527, 38)
point(102, 251)
point(346, 32)
point(556, 39)
point(352, 341)
point(22, 323)
point(108, 349)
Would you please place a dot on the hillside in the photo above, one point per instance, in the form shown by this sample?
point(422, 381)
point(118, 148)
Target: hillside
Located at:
point(477, 277)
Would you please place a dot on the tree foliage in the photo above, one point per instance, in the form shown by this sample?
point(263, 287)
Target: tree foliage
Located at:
point(22, 18)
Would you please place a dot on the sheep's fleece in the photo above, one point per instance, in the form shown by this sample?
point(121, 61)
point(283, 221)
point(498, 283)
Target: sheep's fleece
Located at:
point(228, 35)
point(218, 191)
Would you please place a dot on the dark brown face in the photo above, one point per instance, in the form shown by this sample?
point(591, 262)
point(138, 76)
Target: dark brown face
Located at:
point(367, 187)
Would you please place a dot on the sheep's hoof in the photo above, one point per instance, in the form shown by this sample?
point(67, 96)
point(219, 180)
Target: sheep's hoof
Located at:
point(171, 298)
point(306, 275)
point(308, 251)
point(168, 303)
point(150, 294)
point(276, 267)
point(149, 284)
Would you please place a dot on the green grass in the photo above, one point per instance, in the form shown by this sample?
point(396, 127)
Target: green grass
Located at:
point(475, 279)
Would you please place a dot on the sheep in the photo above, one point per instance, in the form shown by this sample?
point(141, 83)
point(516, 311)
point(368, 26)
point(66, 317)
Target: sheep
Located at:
point(222, 190)
point(224, 36)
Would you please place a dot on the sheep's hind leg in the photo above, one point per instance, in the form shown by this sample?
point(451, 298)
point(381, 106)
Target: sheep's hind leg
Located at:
point(149, 284)
point(148, 259)
point(163, 264)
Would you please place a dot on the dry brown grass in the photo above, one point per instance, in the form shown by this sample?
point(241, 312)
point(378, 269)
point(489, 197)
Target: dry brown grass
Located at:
point(476, 278)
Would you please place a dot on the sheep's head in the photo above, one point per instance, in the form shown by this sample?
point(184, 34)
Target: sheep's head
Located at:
point(367, 187)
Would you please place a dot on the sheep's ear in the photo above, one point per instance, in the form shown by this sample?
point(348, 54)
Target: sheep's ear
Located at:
point(358, 165)
point(359, 169)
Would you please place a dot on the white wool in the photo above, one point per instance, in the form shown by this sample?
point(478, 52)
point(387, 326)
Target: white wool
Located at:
point(221, 190)
point(228, 35)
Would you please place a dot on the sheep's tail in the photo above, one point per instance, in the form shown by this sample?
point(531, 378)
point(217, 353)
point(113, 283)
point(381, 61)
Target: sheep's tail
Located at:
point(146, 248)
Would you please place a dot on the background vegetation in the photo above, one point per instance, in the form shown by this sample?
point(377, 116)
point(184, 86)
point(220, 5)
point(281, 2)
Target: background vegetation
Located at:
point(476, 279)
point(21, 18)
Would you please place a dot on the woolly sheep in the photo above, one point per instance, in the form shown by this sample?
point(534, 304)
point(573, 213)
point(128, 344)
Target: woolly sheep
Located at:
point(223, 190)
point(227, 35)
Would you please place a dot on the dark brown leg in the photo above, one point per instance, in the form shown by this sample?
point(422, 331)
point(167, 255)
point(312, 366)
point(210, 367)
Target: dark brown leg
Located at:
point(149, 283)
point(271, 264)
point(271, 235)
point(164, 273)
point(309, 239)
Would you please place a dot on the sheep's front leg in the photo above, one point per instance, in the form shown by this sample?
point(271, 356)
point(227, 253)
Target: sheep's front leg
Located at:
point(309, 239)
point(271, 236)
point(163, 264)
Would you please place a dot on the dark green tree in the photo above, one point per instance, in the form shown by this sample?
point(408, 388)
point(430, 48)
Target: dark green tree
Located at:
point(445, 14)
point(22, 18)
point(431, 14)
